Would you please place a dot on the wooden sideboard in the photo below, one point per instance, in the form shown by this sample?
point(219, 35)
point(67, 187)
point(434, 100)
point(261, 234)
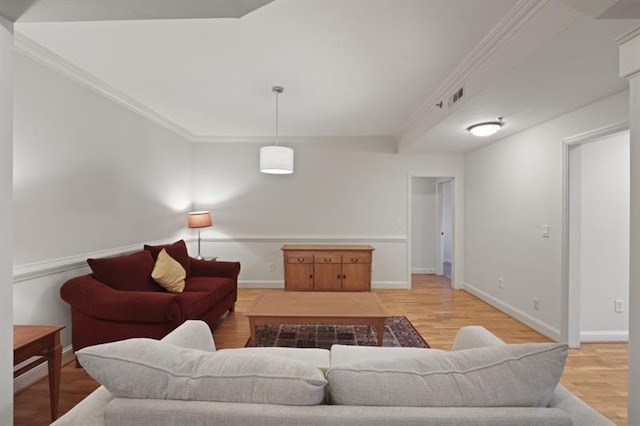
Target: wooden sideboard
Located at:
point(327, 267)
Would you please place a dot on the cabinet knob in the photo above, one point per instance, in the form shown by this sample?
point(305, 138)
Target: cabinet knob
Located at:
point(327, 260)
point(310, 275)
point(354, 260)
point(301, 259)
point(344, 277)
point(338, 276)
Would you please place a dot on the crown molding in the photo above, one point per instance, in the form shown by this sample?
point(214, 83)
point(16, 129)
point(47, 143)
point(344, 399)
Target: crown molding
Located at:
point(285, 140)
point(34, 50)
point(628, 36)
point(510, 23)
point(44, 56)
point(39, 53)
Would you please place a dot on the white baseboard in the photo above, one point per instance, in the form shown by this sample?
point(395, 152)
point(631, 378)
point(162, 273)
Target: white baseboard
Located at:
point(604, 336)
point(516, 313)
point(260, 284)
point(423, 270)
point(391, 284)
point(280, 284)
point(30, 377)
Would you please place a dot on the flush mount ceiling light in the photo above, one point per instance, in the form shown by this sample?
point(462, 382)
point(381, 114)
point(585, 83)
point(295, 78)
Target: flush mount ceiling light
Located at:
point(487, 128)
point(276, 159)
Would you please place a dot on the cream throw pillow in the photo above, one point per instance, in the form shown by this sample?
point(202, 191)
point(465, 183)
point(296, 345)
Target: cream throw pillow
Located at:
point(169, 273)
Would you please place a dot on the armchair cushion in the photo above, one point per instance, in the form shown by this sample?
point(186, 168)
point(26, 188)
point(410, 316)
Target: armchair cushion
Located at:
point(130, 272)
point(169, 273)
point(177, 250)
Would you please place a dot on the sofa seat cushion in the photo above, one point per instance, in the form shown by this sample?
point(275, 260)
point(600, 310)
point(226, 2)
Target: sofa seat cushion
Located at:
point(217, 286)
point(195, 303)
point(517, 375)
point(147, 368)
point(130, 272)
point(177, 251)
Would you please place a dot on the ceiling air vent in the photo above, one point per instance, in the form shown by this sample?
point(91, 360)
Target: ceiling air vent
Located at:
point(457, 95)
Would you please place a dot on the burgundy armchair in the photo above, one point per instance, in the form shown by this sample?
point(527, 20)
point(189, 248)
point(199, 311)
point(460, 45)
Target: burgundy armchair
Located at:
point(120, 300)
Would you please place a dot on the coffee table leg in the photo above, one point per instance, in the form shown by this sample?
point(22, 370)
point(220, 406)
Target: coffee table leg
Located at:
point(380, 332)
point(54, 364)
point(252, 331)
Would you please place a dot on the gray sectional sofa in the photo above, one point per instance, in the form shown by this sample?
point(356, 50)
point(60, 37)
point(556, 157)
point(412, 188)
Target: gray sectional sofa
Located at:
point(162, 383)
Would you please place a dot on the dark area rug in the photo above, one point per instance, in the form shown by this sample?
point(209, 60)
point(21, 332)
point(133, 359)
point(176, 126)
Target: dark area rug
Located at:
point(398, 332)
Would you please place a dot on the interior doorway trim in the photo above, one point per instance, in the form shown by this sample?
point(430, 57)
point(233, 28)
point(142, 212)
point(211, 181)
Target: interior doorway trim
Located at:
point(570, 327)
point(457, 269)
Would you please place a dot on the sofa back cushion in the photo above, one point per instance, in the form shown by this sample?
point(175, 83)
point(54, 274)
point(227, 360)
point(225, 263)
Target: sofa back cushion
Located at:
point(177, 251)
point(518, 375)
point(130, 272)
point(146, 368)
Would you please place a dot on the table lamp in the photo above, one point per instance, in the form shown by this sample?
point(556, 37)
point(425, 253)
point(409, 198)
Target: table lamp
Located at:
point(201, 219)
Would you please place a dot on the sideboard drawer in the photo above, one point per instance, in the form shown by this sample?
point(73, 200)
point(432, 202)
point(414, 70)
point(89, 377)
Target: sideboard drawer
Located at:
point(299, 258)
point(356, 258)
point(327, 258)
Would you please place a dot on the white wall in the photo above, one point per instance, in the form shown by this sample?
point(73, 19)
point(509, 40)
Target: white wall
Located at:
point(630, 68)
point(512, 188)
point(424, 235)
point(602, 221)
point(6, 189)
point(345, 191)
point(91, 178)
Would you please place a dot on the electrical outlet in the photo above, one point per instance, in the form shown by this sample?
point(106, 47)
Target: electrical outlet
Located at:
point(536, 303)
point(619, 306)
point(500, 283)
point(272, 266)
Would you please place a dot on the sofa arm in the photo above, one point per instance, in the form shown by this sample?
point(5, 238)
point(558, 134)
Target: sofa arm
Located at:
point(213, 268)
point(474, 336)
point(192, 334)
point(98, 300)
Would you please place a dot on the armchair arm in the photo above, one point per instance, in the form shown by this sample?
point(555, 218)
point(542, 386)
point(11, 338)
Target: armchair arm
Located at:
point(98, 300)
point(213, 268)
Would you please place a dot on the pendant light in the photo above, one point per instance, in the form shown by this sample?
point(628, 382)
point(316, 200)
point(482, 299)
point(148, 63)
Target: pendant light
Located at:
point(276, 159)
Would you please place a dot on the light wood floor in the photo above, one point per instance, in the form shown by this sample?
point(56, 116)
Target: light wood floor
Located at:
point(596, 372)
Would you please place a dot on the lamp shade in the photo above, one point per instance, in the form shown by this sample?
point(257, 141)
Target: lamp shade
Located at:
point(276, 160)
point(199, 219)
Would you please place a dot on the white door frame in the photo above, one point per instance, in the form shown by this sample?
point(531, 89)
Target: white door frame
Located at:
point(570, 327)
point(457, 266)
point(439, 218)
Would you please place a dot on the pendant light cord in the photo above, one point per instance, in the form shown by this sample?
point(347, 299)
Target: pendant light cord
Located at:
point(277, 93)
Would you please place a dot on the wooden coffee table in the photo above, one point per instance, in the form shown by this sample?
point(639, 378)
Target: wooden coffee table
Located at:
point(309, 307)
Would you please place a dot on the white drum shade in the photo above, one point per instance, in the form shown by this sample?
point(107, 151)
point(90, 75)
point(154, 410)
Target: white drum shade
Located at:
point(276, 160)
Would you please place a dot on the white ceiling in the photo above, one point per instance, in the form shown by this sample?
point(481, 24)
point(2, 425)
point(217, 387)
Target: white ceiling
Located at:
point(349, 68)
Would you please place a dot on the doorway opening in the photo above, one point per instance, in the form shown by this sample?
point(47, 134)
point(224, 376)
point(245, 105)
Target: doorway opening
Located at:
point(596, 240)
point(431, 227)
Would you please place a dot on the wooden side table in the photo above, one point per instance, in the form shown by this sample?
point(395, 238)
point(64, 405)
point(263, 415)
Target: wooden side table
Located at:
point(41, 341)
